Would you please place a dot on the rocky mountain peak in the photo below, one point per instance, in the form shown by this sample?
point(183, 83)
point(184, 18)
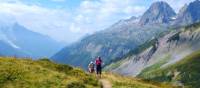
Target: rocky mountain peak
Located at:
point(159, 12)
point(189, 14)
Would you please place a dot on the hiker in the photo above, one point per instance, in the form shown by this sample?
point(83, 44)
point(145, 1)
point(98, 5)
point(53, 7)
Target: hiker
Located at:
point(91, 67)
point(98, 66)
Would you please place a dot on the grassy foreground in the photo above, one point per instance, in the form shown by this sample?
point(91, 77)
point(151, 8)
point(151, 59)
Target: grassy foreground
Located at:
point(129, 82)
point(26, 73)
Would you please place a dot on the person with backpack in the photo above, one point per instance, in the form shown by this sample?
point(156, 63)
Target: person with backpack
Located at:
point(91, 67)
point(98, 63)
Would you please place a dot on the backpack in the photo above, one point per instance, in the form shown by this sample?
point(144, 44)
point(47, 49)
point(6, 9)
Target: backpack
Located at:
point(91, 65)
point(98, 62)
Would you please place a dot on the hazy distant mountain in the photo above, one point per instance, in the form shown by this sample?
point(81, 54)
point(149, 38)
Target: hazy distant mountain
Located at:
point(158, 13)
point(189, 14)
point(7, 49)
point(32, 43)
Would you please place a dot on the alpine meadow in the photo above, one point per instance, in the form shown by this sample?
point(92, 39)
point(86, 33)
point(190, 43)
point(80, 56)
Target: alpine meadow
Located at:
point(99, 44)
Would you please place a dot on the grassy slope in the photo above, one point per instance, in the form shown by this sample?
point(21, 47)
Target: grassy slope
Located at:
point(187, 69)
point(26, 73)
point(18, 73)
point(129, 82)
point(154, 67)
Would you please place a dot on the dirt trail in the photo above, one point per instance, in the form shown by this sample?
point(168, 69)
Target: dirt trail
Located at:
point(105, 83)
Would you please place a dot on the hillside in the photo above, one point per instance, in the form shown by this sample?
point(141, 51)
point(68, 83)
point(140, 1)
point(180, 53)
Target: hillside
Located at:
point(185, 72)
point(26, 73)
point(119, 81)
point(170, 48)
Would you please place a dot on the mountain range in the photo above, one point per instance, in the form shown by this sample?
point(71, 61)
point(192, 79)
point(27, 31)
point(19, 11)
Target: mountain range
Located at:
point(8, 50)
point(16, 40)
point(125, 36)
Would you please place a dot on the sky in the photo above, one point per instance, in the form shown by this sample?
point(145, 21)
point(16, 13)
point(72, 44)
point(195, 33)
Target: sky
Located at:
point(68, 21)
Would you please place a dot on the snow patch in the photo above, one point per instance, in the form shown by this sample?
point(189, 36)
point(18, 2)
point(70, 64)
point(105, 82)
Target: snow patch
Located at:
point(173, 18)
point(12, 44)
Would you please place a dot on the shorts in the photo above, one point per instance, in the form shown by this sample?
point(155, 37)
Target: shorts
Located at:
point(98, 69)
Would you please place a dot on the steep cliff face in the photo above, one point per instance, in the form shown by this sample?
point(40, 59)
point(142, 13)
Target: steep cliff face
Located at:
point(171, 48)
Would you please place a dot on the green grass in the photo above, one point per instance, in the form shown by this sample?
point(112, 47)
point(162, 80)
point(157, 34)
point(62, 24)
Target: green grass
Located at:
point(193, 26)
point(26, 73)
point(130, 82)
point(144, 73)
point(188, 71)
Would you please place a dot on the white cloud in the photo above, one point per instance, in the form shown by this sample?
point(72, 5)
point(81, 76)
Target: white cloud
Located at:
point(136, 10)
point(58, 0)
point(10, 1)
point(90, 16)
point(93, 15)
point(52, 22)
